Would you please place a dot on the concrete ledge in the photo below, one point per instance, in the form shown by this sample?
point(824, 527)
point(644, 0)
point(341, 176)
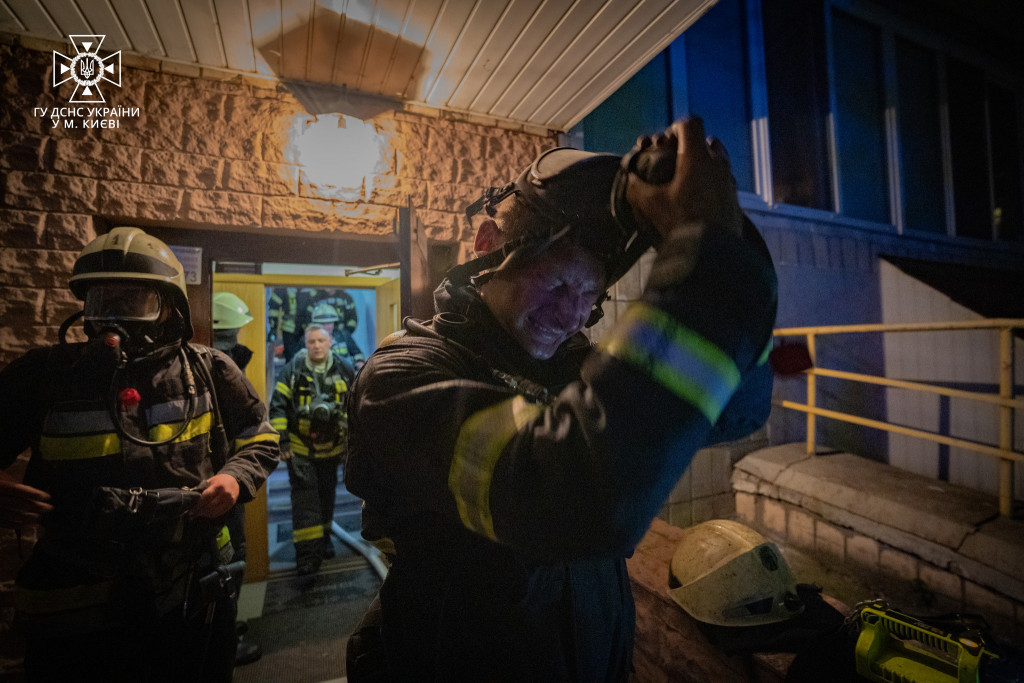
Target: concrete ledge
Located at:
point(935, 511)
point(886, 520)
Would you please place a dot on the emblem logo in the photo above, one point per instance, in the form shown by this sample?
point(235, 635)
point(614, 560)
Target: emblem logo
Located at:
point(87, 69)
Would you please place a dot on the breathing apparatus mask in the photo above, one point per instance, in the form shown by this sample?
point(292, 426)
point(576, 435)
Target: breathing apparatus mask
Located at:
point(135, 305)
point(129, 311)
point(571, 193)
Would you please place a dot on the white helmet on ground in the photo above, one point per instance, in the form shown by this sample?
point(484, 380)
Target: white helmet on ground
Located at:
point(727, 574)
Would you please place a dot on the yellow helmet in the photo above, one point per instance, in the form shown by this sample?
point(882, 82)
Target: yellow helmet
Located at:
point(127, 253)
point(727, 574)
point(229, 312)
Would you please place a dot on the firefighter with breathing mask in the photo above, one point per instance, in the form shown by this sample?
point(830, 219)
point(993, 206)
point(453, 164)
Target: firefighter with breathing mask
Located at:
point(509, 467)
point(140, 443)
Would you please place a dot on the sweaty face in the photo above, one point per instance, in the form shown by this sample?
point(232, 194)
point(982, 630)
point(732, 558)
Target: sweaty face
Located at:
point(548, 299)
point(318, 345)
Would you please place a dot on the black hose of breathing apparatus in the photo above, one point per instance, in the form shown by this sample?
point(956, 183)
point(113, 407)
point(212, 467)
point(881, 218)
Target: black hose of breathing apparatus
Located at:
point(110, 340)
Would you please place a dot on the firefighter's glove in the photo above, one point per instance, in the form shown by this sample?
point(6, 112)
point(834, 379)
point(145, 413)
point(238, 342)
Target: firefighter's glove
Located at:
point(702, 189)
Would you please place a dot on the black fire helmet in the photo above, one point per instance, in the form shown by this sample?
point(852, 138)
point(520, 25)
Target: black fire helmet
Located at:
point(573, 192)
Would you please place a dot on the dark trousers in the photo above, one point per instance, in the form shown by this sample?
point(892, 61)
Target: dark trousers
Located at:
point(313, 481)
point(168, 649)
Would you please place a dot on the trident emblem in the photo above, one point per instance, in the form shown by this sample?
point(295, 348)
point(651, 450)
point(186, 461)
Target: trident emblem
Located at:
point(87, 69)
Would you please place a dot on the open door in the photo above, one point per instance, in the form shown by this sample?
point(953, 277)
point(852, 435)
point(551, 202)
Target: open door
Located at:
point(389, 308)
point(253, 290)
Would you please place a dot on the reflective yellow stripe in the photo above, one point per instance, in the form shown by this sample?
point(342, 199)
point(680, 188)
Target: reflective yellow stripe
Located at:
point(242, 443)
point(310, 533)
point(223, 537)
point(53, 600)
point(284, 389)
point(331, 452)
point(279, 423)
point(679, 359)
point(481, 441)
point(197, 427)
point(298, 448)
point(79, 447)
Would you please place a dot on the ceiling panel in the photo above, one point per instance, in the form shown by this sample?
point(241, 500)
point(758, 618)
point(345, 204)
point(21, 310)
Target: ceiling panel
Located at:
point(102, 20)
point(67, 15)
point(204, 29)
point(323, 44)
point(445, 36)
point(169, 20)
point(542, 62)
point(9, 21)
point(474, 35)
point(36, 19)
point(527, 41)
point(236, 33)
point(560, 65)
point(142, 35)
point(492, 53)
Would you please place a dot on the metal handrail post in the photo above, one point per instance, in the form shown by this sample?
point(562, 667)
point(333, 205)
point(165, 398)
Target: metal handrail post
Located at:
point(811, 391)
point(1006, 421)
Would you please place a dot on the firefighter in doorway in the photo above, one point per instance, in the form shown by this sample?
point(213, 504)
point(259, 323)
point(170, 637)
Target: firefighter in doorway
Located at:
point(308, 409)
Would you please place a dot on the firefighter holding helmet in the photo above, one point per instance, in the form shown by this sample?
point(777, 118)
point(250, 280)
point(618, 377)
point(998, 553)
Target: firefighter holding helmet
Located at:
point(508, 465)
point(140, 443)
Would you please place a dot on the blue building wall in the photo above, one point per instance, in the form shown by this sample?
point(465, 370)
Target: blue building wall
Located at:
point(843, 131)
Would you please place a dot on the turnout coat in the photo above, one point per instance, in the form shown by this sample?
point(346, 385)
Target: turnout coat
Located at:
point(60, 402)
point(508, 491)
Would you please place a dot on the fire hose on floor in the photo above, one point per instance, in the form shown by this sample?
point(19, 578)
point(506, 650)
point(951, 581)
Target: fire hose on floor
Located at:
point(372, 555)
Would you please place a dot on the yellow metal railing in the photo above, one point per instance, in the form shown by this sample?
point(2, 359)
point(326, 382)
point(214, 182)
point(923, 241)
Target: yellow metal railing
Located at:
point(1004, 399)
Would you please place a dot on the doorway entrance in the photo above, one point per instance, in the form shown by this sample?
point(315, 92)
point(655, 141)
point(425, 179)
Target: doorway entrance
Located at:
point(377, 303)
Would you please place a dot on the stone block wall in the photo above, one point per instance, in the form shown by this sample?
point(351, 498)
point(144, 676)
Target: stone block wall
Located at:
point(209, 150)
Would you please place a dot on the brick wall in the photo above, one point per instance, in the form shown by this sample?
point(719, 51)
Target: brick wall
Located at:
point(208, 149)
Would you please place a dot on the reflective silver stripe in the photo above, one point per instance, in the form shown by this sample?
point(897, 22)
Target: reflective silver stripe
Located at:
point(174, 411)
point(681, 360)
point(61, 422)
point(480, 443)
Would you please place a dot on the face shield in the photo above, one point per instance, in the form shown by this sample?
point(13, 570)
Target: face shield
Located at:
point(122, 302)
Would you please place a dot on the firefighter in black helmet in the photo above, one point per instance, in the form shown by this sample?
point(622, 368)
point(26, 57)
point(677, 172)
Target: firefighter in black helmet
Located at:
point(140, 443)
point(509, 466)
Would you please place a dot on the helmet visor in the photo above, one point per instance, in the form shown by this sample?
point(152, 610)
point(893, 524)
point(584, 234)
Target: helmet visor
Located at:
point(122, 301)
